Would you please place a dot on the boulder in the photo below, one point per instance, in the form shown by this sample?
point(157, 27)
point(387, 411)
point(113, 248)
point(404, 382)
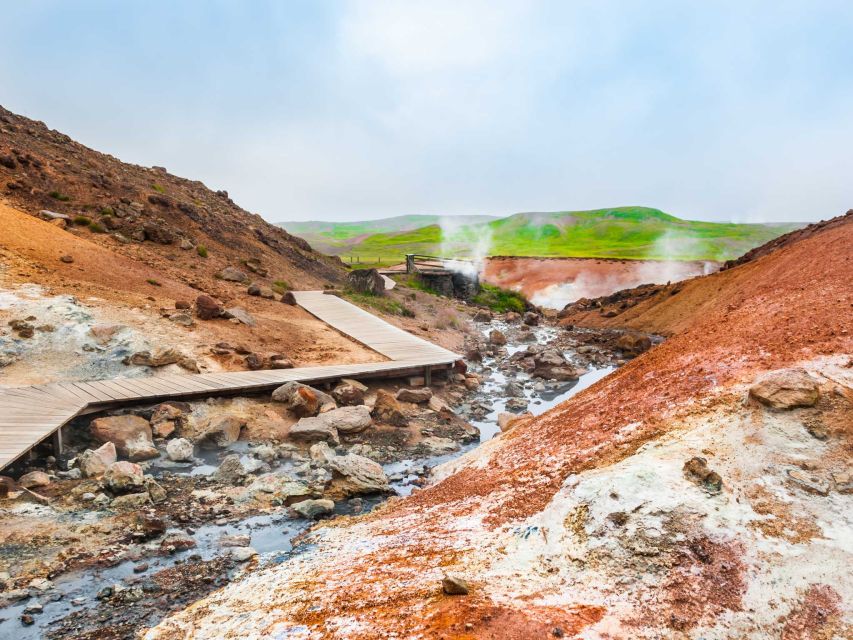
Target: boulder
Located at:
point(258, 290)
point(157, 358)
point(353, 474)
point(418, 396)
point(551, 365)
point(240, 315)
point(455, 586)
point(483, 315)
point(232, 274)
point(206, 308)
point(231, 471)
point(166, 419)
point(288, 298)
point(387, 410)
point(94, 464)
point(44, 214)
point(179, 450)
point(313, 509)
point(303, 401)
point(130, 434)
point(321, 453)
point(243, 554)
point(497, 338)
point(349, 392)
point(34, 479)
point(633, 344)
point(512, 317)
point(348, 419)
point(220, 431)
point(312, 429)
point(124, 477)
point(531, 319)
point(437, 446)
point(130, 502)
point(155, 231)
point(786, 389)
point(366, 281)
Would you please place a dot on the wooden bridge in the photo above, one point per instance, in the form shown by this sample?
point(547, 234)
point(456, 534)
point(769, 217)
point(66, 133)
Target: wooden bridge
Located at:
point(31, 415)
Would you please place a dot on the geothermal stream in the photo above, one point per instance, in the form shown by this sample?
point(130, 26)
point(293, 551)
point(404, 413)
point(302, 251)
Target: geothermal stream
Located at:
point(272, 534)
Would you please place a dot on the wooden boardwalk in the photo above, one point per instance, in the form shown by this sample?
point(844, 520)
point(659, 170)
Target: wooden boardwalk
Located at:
point(30, 415)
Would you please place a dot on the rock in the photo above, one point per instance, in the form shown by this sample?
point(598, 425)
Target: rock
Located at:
point(454, 586)
point(254, 362)
point(353, 474)
point(786, 389)
point(34, 479)
point(166, 419)
point(235, 540)
point(158, 358)
point(94, 464)
point(387, 410)
point(321, 453)
point(241, 315)
point(232, 274)
point(183, 319)
point(179, 450)
point(288, 298)
point(497, 338)
point(206, 308)
point(366, 281)
point(44, 214)
point(182, 305)
point(123, 477)
point(438, 405)
point(258, 290)
point(439, 446)
point(349, 392)
point(843, 482)
point(156, 492)
point(221, 431)
point(348, 419)
point(27, 619)
point(551, 365)
point(312, 429)
point(313, 509)
point(483, 315)
point(140, 567)
point(531, 319)
point(418, 396)
point(696, 470)
point(302, 400)
point(242, 554)
point(633, 344)
point(281, 363)
point(512, 317)
point(808, 482)
point(231, 471)
point(130, 501)
point(156, 231)
point(130, 434)
point(67, 259)
point(103, 333)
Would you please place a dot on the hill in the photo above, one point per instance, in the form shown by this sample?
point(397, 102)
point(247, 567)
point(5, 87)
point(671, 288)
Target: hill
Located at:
point(621, 232)
point(337, 238)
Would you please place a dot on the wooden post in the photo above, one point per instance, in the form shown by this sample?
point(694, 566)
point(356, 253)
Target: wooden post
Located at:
point(57, 443)
point(428, 375)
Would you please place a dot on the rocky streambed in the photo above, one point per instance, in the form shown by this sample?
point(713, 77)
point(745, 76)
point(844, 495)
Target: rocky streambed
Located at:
point(157, 506)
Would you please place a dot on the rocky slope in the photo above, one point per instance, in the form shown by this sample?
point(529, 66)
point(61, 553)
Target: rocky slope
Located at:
point(703, 490)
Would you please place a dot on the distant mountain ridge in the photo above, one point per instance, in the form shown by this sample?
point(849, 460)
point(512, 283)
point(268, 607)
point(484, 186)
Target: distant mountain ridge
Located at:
point(632, 232)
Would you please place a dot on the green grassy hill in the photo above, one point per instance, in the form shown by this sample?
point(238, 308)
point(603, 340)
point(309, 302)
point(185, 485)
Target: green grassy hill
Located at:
point(621, 232)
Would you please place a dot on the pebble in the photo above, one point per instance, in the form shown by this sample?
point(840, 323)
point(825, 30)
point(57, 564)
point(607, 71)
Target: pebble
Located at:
point(142, 567)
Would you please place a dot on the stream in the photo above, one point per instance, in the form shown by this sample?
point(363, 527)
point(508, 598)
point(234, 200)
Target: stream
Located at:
point(271, 534)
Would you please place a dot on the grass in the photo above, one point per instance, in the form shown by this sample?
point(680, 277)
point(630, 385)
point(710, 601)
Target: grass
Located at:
point(158, 188)
point(281, 286)
point(153, 282)
point(83, 221)
point(201, 250)
point(385, 304)
point(446, 319)
point(94, 227)
point(500, 300)
point(59, 196)
point(107, 211)
point(619, 232)
point(414, 282)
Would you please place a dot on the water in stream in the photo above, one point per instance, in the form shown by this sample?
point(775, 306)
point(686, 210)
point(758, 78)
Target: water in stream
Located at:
point(272, 534)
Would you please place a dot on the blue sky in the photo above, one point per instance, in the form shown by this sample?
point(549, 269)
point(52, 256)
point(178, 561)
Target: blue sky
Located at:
point(350, 110)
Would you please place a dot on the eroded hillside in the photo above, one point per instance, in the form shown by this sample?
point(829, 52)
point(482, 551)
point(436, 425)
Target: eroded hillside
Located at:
point(703, 490)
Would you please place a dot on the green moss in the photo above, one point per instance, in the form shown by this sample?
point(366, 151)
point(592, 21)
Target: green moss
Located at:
point(83, 221)
point(94, 227)
point(385, 304)
point(201, 250)
point(107, 211)
point(59, 196)
point(281, 286)
point(158, 188)
point(500, 300)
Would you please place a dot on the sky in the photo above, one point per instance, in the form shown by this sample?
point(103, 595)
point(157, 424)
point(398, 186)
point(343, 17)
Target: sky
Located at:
point(352, 110)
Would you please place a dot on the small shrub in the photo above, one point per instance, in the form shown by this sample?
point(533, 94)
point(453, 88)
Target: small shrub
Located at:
point(500, 300)
point(94, 227)
point(158, 188)
point(107, 211)
point(281, 286)
point(153, 282)
point(59, 196)
point(446, 319)
point(83, 221)
point(201, 250)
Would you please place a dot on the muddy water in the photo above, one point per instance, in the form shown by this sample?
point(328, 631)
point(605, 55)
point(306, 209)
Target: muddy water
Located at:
point(272, 534)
